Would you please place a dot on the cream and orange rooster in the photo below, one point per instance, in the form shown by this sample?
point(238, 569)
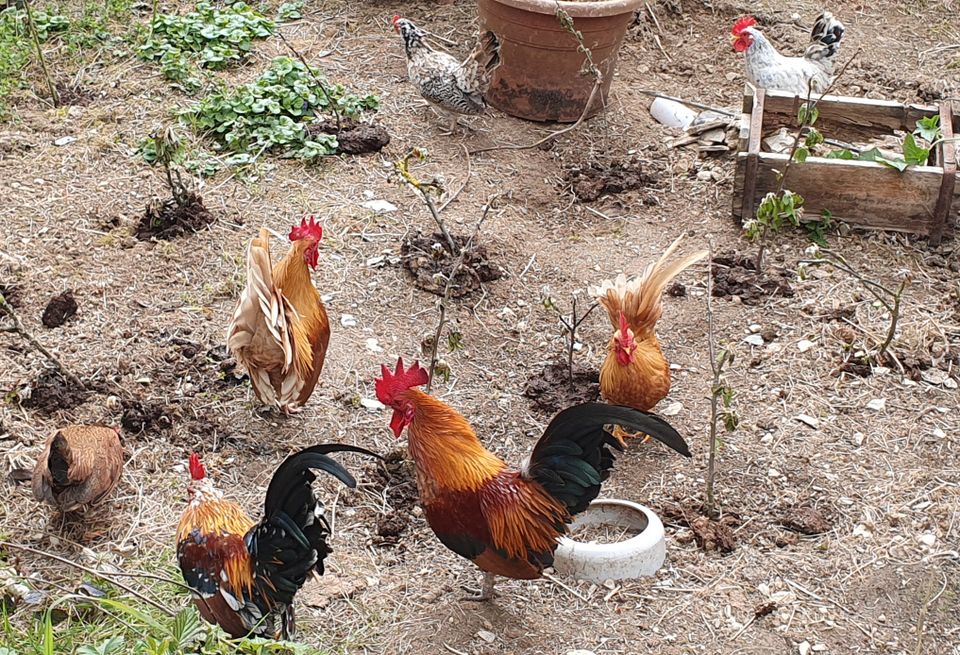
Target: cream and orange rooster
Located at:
point(280, 329)
point(79, 467)
point(506, 519)
point(768, 69)
point(453, 87)
point(244, 575)
point(635, 372)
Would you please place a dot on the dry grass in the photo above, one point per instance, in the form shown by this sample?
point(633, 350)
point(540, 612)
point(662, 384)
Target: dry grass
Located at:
point(883, 478)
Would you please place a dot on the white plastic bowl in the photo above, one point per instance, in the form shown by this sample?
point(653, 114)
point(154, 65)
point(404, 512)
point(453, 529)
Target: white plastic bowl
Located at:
point(641, 555)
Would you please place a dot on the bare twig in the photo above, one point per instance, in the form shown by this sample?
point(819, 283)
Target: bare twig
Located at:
point(22, 331)
point(106, 575)
point(451, 276)
point(890, 299)
point(425, 189)
point(570, 326)
point(323, 88)
point(466, 180)
point(54, 95)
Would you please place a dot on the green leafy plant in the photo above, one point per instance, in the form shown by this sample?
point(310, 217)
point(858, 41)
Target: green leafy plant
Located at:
point(275, 112)
point(914, 154)
point(289, 11)
point(208, 37)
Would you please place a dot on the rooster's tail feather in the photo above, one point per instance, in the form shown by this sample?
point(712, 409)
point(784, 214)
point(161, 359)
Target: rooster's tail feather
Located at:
point(825, 40)
point(639, 297)
point(476, 72)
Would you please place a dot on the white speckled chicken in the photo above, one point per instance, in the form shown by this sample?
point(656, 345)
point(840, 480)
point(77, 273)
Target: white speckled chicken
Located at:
point(768, 69)
point(452, 86)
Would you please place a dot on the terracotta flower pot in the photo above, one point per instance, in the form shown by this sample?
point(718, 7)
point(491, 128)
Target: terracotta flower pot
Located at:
point(540, 76)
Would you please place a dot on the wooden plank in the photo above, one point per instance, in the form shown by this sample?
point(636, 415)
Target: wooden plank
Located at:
point(748, 204)
point(948, 160)
point(863, 194)
point(858, 114)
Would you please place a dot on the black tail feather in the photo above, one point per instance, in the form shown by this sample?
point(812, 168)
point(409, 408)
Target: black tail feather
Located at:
point(291, 538)
point(576, 452)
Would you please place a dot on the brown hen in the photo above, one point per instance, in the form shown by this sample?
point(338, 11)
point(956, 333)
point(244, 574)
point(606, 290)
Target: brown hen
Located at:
point(79, 467)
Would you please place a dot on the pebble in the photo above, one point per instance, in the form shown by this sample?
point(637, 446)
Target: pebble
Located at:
point(672, 409)
point(64, 141)
point(808, 420)
point(877, 404)
point(379, 206)
point(753, 339)
point(804, 345)
point(803, 647)
point(755, 328)
point(348, 321)
point(927, 539)
point(487, 636)
point(374, 346)
point(773, 473)
point(939, 434)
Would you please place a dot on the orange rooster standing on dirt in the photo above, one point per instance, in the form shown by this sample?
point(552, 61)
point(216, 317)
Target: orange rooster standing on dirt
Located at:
point(507, 520)
point(280, 329)
point(79, 467)
point(635, 372)
point(244, 575)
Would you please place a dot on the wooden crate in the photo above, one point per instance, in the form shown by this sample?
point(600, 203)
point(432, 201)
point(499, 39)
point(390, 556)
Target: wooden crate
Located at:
point(921, 200)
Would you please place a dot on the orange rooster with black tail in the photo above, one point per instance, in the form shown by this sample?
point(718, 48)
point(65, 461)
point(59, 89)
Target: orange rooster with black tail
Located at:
point(244, 575)
point(507, 520)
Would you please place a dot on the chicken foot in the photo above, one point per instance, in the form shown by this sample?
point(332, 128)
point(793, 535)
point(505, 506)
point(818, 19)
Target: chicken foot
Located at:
point(486, 589)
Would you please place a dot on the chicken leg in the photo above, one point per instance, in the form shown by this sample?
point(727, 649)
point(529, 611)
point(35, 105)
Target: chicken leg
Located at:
point(486, 589)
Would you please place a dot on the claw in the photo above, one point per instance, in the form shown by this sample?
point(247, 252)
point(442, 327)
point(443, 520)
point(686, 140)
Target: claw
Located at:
point(486, 589)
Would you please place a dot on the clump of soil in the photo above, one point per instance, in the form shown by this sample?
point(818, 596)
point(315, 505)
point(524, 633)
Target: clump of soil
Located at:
point(139, 416)
point(709, 533)
point(805, 520)
point(353, 138)
point(551, 390)
point(735, 275)
point(59, 310)
point(854, 368)
point(593, 180)
point(72, 95)
point(229, 375)
point(396, 474)
point(11, 293)
point(428, 260)
point(165, 219)
point(50, 392)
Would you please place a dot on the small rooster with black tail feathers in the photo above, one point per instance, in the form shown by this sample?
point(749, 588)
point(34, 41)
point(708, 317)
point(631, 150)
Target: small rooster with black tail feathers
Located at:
point(507, 520)
point(244, 575)
point(453, 87)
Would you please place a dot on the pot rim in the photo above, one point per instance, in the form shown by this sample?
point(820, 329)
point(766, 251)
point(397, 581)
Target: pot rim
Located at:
point(591, 9)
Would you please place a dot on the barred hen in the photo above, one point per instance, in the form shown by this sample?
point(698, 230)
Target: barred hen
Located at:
point(768, 69)
point(451, 86)
point(244, 575)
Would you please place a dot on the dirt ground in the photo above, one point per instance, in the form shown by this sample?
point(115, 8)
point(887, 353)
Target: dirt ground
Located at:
point(148, 336)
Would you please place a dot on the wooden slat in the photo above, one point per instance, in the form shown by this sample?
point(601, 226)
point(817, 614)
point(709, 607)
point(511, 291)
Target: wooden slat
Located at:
point(748, 204)
point(861, 193)
point(857, 114)
point(948, 160)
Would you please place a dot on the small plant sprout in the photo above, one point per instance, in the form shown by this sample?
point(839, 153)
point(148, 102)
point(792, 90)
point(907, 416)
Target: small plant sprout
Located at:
point(169, 152)
point(426, 191)
point(721, 395)
point(570, 322)
point(34, 33)
point(891, 299)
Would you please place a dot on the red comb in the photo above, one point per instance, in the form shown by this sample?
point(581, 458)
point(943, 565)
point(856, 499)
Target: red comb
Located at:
point(390, 384)
point(742, 24)
point(305, 230)
point(197, 472)
point(396, 17)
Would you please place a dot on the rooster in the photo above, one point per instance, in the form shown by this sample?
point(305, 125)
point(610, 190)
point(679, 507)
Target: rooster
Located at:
point(280, 329)
point(635, 372)
point(768, 69)
point(79, 467)
point(244, 575)
point(506, 520)
point(452, 86)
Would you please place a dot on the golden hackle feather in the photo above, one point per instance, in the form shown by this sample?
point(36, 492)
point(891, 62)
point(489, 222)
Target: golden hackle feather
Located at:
point(445, 447)
point(639, 298)
point(218, 518)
